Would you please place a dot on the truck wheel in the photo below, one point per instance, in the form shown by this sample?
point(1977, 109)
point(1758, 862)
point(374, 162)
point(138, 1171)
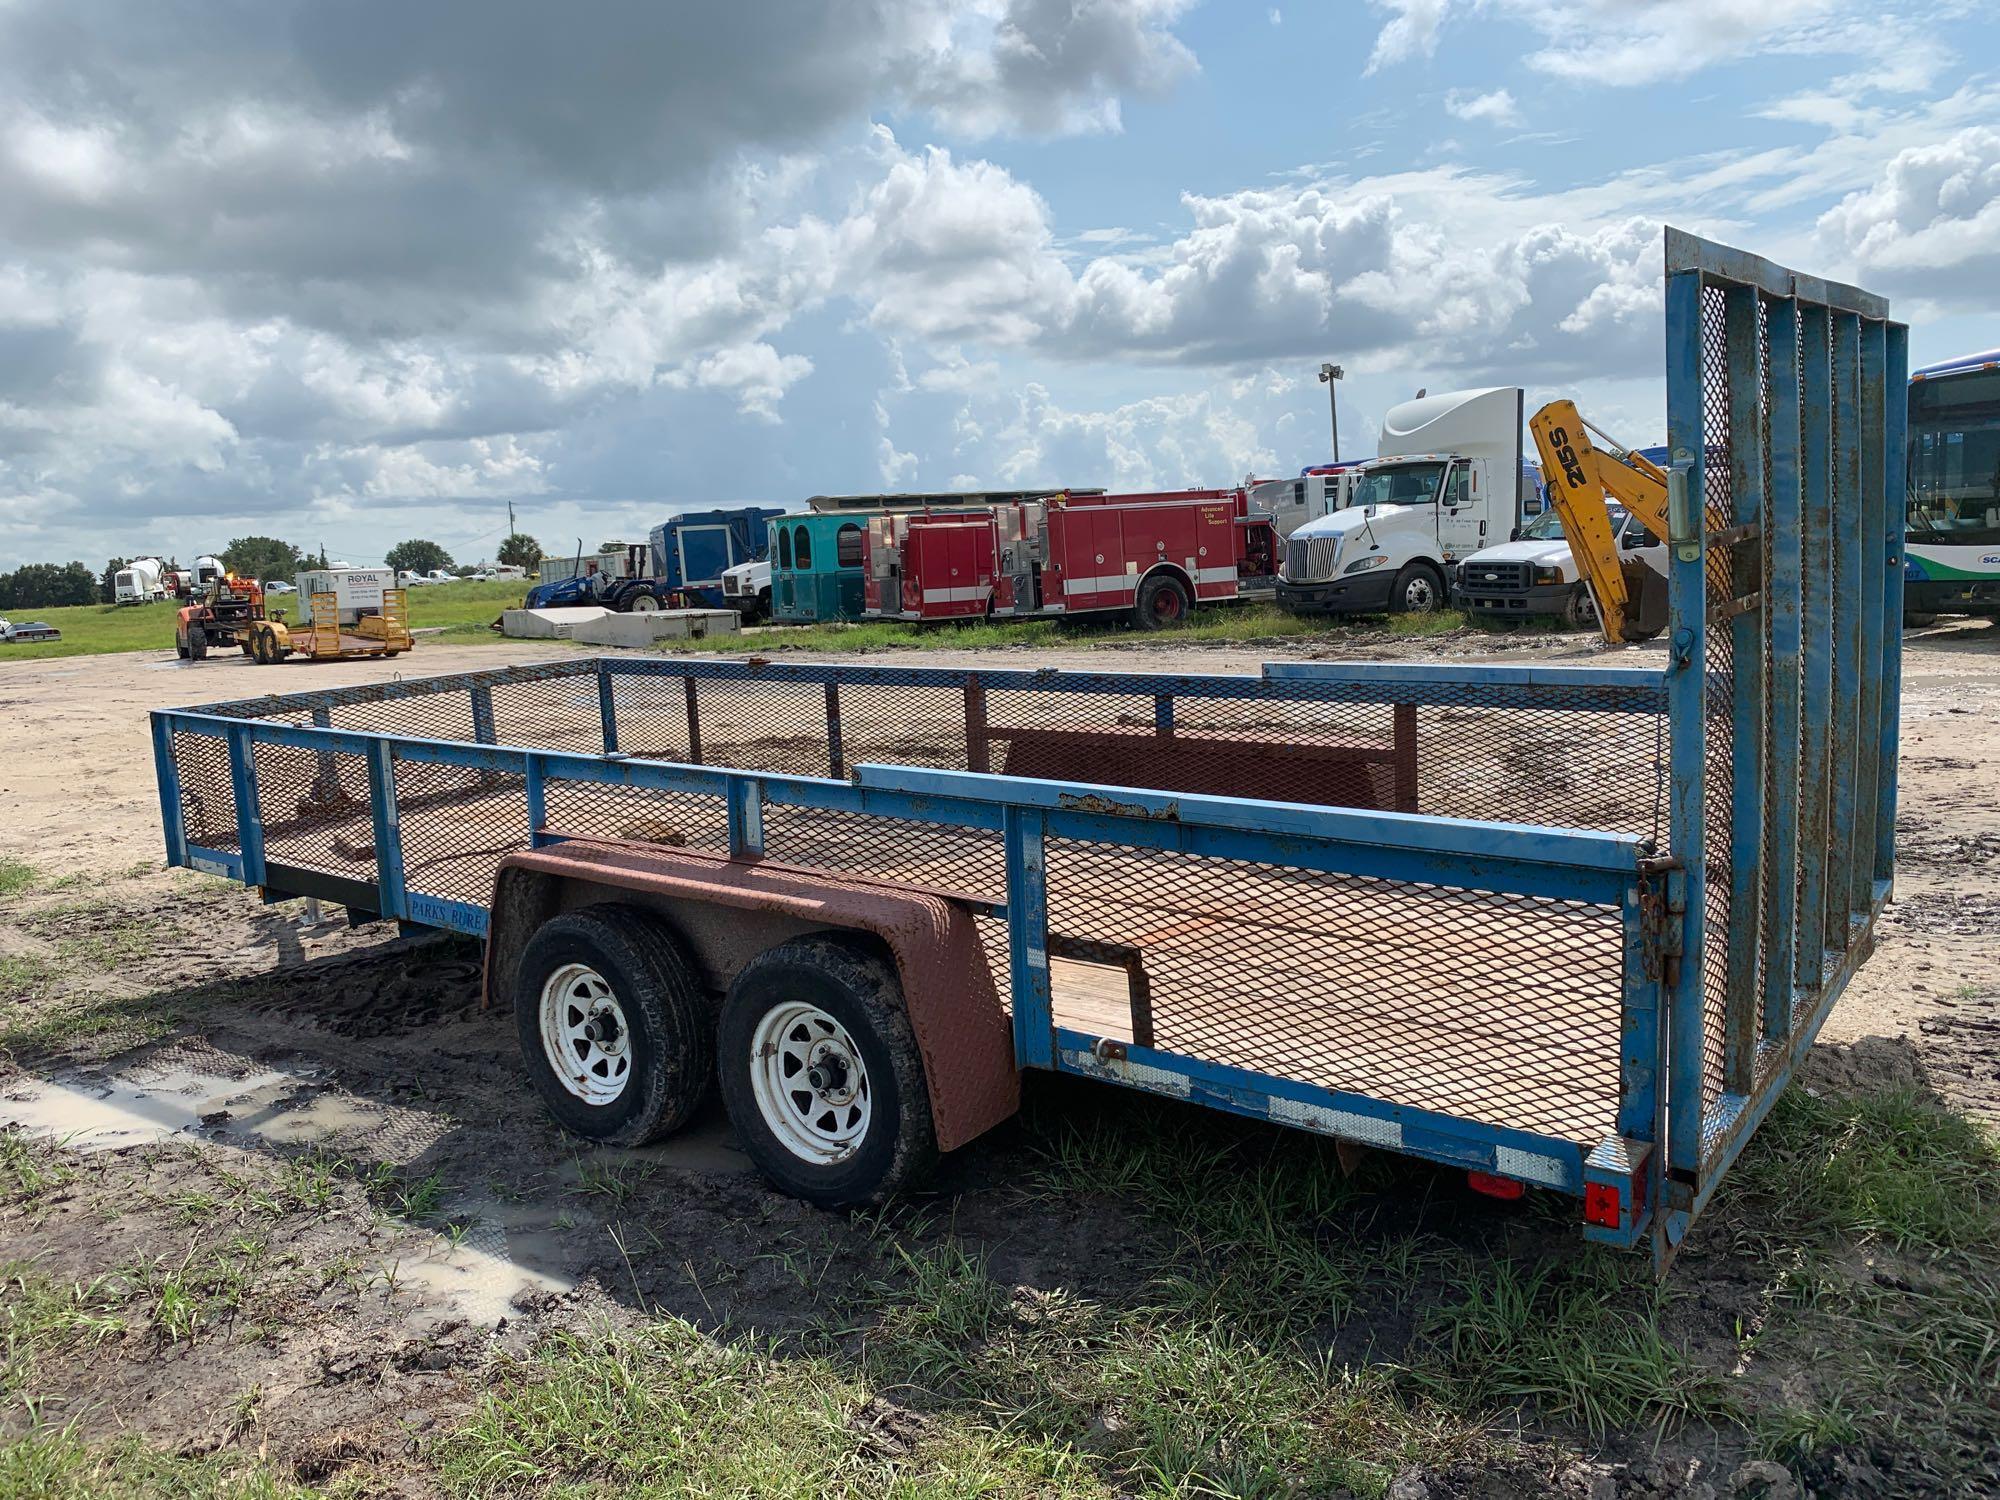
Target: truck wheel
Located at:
point(1580, 613)
point(1163, 603)
point(197, 643)
point(1418, 590)
point(645, 604)
point(821, 1075)
point(614, 1029)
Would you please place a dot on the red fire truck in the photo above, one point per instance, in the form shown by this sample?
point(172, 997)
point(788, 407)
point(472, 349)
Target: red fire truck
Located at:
point(1155, 555)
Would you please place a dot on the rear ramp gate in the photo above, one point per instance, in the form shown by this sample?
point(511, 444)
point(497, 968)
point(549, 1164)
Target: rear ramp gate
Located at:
point(1570, 927)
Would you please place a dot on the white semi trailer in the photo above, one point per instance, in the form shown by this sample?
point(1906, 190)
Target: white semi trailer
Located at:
point(1447, 480)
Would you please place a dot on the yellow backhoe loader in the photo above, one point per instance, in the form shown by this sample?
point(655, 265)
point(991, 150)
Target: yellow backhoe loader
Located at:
point(1631, 597)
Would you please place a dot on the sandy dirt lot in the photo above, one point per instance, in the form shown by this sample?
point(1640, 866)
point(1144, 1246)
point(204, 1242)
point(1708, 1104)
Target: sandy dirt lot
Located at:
point(316, 1143)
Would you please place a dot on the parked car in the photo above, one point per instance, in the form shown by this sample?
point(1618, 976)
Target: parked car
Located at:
point(26, 631)
point(279, 586)
point(1535, 574)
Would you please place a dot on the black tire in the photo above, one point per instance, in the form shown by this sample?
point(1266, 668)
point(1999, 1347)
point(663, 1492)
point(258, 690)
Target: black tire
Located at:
point(896, 1147)
point(180, 647)
point(1163, 603)
point(1418, 590)
point(1580, 613)
point(668, 1034)
point(197, 643)
point(763, 604)
point(1917, 619)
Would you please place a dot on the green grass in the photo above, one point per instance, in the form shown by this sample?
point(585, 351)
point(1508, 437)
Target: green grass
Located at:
point(463, 609)
point(54, 1463)
point(16, 877)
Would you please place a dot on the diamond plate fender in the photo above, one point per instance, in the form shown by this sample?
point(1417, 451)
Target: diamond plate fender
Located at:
point(730, 911)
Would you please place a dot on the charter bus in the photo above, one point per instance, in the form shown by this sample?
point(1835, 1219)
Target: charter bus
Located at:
point(1953, 542)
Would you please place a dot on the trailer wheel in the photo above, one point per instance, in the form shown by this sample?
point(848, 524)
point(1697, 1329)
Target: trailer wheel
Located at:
point(613, 1026)
point(1418, 590)
point(821, 1075)
point(1163, 603)
point(197, 643)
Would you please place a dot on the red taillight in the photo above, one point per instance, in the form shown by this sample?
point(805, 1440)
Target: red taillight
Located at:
point(1495, 1187)
point(1601, 1205)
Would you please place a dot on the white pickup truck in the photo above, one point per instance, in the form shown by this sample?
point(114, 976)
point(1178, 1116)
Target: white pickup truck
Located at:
point(746, 588)
point(1448, 480)
point(1536, 575)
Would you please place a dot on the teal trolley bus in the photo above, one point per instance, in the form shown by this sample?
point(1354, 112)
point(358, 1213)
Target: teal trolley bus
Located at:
point(816, 567)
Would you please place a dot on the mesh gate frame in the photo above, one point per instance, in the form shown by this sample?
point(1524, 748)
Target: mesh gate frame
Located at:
point(1785, 420)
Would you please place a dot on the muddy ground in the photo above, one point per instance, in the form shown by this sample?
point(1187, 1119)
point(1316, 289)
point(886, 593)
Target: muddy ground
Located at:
point(278, 1195)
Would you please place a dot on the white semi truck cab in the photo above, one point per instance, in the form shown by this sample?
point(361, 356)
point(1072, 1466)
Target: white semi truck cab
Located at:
point(1447, 480)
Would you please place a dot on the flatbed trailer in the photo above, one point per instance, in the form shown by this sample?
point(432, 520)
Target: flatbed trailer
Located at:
point(1570, 927)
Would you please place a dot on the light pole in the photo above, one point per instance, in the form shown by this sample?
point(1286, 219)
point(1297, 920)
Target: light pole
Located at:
point(1328, 375)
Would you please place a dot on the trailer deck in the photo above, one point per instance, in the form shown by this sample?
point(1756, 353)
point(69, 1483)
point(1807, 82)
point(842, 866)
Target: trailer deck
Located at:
point(1572, 926)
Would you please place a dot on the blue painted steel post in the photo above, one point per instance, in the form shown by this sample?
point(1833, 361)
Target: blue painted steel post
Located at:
point(1747, 440)
point(746, 817)
point(1816, 679)
point(1686, 695)
point(534, 788)
point(482, 715)
point(326, 775)
point(249, 806)
point(1868, 659)
point(1844, 715)
point(1028, 937)
point(388, 830)
point(167, 772)
point(836, 756)
point(607, 708)
point(1163, 714)
point(1783, 601)
point(1895, 483)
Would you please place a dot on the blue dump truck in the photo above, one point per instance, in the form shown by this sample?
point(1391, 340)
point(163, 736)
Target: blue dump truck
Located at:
point(691, 552)
point(861, 900)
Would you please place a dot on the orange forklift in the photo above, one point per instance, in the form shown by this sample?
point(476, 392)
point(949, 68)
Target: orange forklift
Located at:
point(222, 614)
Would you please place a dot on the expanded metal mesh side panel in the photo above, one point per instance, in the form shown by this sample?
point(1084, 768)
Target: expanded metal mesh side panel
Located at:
point(762, 726)
point(652, 714)
point(315, 811)
point(1719, 718)
point(559, 714)
point(208, 796)
point(458, 822)
point(905, 726)
point(1498, 1009)
point(681, 820)
point(938, 856)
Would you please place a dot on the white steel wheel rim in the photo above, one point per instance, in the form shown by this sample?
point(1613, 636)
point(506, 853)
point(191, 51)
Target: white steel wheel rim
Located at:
point(645, 604)
point(810, 1083)
point(584, 1034)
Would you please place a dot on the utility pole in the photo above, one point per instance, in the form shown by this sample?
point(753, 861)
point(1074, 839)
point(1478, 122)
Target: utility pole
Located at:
point(510, 517)
point(1328, 376)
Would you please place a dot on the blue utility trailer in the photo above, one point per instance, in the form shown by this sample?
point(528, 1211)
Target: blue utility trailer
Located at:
point(862, 899)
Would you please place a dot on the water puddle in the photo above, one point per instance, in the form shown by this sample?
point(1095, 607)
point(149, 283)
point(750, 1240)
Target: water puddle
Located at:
point(477, 1271)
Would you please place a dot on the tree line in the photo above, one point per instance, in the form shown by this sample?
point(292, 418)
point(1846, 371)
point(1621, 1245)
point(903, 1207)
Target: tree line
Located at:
point(54, 585)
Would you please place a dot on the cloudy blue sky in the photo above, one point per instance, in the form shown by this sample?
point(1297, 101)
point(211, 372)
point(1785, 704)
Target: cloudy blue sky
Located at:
point(355, 272)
